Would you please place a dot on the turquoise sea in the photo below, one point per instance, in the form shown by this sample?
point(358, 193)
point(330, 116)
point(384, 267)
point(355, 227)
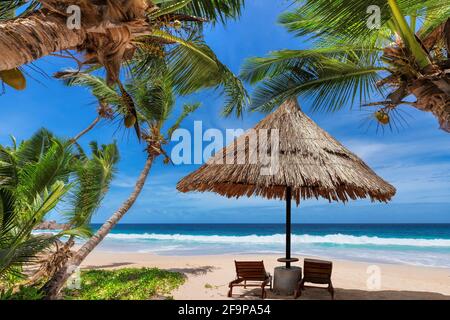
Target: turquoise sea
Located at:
point(415, 244)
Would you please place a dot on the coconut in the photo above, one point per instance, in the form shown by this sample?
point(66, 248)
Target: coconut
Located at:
point(382, 117)
point(177, 24)
point(130, 120)
point(14, 78)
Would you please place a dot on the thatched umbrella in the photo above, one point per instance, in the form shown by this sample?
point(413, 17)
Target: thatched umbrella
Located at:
point(311, 164)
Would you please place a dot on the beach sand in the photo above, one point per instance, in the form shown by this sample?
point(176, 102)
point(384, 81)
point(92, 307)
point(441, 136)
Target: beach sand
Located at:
point(208, 277)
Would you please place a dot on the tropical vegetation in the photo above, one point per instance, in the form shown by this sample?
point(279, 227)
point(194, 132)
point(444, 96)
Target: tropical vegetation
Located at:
point(136, 57)
point(40, 176)
point(160, 42)
point(125, 284)
point(153, 102)
point(402, 59)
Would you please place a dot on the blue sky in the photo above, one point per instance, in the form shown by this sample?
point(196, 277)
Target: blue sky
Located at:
point(415, 160)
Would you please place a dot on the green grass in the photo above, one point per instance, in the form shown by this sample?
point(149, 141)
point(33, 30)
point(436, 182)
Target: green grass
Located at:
point(126, 284)
point(210, 286)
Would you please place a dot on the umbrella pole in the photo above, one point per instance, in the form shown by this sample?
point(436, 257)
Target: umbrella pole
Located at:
point(288, 226)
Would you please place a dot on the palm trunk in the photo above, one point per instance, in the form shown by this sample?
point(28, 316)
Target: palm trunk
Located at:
point(432, 88)
point(86, 130)
point(24, 40)
point(106, 31)
point(54, 285)
point(433, 99)
point(53, 262)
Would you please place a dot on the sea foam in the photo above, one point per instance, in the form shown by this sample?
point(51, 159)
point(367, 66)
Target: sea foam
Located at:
point(332, 239)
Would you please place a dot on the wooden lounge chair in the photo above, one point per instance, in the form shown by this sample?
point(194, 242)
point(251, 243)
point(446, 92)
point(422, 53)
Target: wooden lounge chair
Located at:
point(253, 272)
point(317, 272)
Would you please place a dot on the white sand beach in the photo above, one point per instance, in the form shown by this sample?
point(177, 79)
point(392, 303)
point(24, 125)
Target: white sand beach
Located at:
point(208, 277)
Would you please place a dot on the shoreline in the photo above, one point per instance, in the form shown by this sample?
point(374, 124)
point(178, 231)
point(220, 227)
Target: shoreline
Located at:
point(407, 244)
point(207, 276)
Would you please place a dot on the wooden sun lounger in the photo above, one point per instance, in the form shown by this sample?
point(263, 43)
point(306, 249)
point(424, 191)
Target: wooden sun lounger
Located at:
point(253, 272)
point(317, 272)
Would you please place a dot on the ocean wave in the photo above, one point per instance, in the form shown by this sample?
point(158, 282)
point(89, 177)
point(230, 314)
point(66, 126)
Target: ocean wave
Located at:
point(332, 239)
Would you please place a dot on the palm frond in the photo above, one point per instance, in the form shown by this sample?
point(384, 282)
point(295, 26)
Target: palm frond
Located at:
point(82, 231)
point(167, 7)
point(98, 87)
point(9, 8)
point(330, 86)
point(93, 178)
point(279, 62)
point(47, 171)
point(7, 214)
point(31, 150)
point(54, 165)
point(8, 169)
point(17, 244)
point(43, 204)
point(331, 21)
point(193, 66)
point(213, 10)
point(334, 19)
point(154, 98)
point(19, 252)
point(434, 19)
point(187, 110)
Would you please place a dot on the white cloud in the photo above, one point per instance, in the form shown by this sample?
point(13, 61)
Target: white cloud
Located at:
point(392, 152)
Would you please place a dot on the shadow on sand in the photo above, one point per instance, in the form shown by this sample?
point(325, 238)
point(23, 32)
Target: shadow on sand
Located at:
point(195, 271)
point(345, 294)
point(108, 266)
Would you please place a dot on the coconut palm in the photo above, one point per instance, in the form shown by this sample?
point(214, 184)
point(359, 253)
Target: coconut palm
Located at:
point(33, 179)
point(176, 37)
point(92, 177)
point(154, 101)
point(182, 67)
point(405, 56)
point(37, 175)
point(108, 33)
point(192, 65)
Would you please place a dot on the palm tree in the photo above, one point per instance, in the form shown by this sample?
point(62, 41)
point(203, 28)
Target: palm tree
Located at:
point(351, 61)
point(164, 45)
point(153, 99)
point(33, 180)
point(109, 32)
point(90, 183)
point(35, 176)
point(176, 38)
point(183, 68)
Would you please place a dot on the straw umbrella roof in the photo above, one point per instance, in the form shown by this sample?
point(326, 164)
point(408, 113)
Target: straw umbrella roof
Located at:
point(310, 161)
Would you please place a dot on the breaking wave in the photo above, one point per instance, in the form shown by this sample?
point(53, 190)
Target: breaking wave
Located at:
point(332, 239)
